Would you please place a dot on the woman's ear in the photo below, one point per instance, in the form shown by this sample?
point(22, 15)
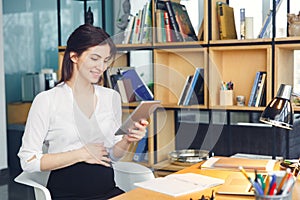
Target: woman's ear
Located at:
point(74, 57)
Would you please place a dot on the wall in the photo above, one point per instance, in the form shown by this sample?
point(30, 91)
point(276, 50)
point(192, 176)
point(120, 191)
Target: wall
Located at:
point(3, 145)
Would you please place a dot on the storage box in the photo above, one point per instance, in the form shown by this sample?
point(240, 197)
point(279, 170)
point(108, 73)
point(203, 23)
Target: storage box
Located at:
point(17, 112)
point(226, 97)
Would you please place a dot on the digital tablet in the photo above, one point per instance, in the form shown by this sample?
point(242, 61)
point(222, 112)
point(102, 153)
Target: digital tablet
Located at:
point(142, 111)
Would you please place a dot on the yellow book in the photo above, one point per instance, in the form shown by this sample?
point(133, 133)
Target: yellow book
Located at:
point(226, 21)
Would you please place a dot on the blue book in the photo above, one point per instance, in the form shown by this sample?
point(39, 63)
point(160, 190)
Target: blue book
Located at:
point(251, 101)
point(140, 89)
point(192, 86)
point(267, 22)
point(141, 149)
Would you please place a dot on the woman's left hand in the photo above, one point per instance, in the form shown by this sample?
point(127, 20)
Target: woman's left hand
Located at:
point(138, 132)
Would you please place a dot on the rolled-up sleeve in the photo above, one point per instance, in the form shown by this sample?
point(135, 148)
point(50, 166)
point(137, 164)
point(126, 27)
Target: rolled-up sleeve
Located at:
point(36, 128)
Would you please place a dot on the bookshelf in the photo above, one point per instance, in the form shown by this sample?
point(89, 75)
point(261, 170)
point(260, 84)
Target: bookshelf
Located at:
point(223, 60)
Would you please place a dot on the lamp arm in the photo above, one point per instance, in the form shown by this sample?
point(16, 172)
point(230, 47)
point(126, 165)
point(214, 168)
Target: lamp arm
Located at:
point(295, 94)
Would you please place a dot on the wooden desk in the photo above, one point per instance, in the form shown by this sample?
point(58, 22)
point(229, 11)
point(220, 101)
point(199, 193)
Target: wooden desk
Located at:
point(144, 194)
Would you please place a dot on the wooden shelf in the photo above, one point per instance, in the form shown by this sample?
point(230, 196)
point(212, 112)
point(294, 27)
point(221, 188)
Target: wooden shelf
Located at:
point(224, 67)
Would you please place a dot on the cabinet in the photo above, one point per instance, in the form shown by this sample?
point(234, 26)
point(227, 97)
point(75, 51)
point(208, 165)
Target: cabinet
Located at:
point(222, 60)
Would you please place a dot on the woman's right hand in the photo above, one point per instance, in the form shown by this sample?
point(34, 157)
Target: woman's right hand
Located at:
point(96, 153)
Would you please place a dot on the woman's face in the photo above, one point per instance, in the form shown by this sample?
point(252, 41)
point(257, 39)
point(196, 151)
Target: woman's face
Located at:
point(93, 62)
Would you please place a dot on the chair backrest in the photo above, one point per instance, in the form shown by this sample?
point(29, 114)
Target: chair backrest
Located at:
point(128, 173)
point(38, 181)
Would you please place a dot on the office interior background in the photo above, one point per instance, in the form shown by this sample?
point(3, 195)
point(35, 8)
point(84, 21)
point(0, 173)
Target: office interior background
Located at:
point(29, 40)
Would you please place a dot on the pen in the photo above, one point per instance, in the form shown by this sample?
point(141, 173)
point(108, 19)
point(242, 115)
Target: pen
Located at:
point(262, 182)
point(254, 184)
point(273, 182)
point(273, 189)
point(267, 184)
point(287, 172)
point(288, 185)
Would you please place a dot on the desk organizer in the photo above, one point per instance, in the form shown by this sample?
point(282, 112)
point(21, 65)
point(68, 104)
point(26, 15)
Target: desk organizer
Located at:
point(226, 97)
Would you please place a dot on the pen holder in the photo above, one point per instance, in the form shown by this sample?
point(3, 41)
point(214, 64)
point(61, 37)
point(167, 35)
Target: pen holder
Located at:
point(226, 97)
point(287, 196)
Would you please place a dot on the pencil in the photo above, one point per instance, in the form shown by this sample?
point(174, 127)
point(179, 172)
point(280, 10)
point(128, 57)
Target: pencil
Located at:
point(288, 171)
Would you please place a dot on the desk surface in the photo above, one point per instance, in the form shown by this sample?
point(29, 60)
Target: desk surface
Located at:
point(140, 193)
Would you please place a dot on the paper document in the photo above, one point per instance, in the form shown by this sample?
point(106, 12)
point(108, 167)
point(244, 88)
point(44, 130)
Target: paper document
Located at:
point(180, 184)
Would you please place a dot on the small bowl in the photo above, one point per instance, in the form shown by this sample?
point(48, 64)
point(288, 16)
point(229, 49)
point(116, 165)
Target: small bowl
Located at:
point(188, 156)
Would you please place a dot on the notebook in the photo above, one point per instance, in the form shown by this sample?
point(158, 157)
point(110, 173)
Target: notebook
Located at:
point(180, 184)
point(236, 183)
point(234, 163)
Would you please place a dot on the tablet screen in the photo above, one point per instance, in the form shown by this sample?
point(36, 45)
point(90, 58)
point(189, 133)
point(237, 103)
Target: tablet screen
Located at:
point(142, 111)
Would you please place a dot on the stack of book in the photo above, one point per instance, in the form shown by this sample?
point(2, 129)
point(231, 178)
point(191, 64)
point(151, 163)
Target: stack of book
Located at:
point(193, 89)
point(257, 95)
point(128, 83)
point(139, 26)
point(173, 23)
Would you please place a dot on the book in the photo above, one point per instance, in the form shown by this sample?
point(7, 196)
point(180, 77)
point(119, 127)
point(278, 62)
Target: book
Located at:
point(146, 32)
point(140, 89)
point(257, 88)
point(180, 184)
point(226, 21)
point(261, 90)
point(198, 91)
point(126, 90)
point(128, 30)
point(141, 149)
point(160, 26)
point(200, 35)
point(136, 28)
point(113, 74)
point(173, 22)
point(254, 88)
point(185, 25)
point(166, 5)
point(185, 89)
point(242, 24)
point(169, 33)
point(234, 163)
point(197, 75)
point(265, 29)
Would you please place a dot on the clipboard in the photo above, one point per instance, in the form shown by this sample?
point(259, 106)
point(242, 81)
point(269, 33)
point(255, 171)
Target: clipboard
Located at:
point(142, 111)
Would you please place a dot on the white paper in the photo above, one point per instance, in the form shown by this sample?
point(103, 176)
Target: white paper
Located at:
point(180, 184)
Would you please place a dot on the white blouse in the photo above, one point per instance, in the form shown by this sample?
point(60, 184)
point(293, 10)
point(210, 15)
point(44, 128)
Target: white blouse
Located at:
point(55, 122)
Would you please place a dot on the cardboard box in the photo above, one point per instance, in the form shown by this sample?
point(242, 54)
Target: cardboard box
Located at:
point(17, 112)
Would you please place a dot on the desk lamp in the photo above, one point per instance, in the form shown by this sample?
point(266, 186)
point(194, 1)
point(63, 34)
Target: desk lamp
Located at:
point(279, 111)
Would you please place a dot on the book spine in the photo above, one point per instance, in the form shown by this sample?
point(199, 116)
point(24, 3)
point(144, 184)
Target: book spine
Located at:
point(168, 30)
point(159, 25)
point(242, 24)
point(173, 22)
point(185, 89)
point(257, 88)
point(220, 13)
point(122, 91)
point(141, 149)
point(128, 29)
point(146, 34)
point(261, 90)
point(253, 91)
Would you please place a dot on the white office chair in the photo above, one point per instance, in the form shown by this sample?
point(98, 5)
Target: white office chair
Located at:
point(128, 173)
point(38, 181)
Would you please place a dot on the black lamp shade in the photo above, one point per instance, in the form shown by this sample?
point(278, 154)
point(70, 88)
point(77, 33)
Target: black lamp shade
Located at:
point(279, 111)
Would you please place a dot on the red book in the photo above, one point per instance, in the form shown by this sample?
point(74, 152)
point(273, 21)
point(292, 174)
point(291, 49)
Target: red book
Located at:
point(169, 35)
